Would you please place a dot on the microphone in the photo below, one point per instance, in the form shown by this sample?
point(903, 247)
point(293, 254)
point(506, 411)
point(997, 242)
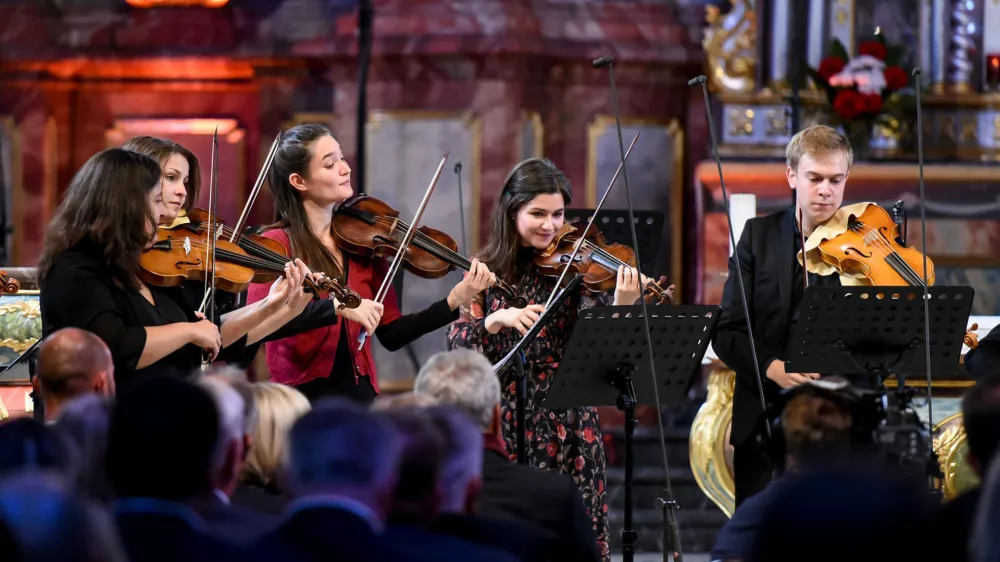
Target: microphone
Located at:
point(628, 534)
point(603, 61)
point(736, 251)
point(461, 207)
point(697, 80)
point(923, 242)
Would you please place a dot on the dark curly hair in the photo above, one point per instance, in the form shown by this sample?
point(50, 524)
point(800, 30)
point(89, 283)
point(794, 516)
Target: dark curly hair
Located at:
point(106, 204)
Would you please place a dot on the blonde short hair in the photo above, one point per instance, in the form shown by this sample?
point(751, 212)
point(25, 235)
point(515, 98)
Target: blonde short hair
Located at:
point(818, 139)
point(278, 408)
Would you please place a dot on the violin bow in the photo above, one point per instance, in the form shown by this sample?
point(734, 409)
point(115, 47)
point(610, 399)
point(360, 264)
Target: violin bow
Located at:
point(245, 215)
point(398, 258)
point(583, 236)
point(208, 301)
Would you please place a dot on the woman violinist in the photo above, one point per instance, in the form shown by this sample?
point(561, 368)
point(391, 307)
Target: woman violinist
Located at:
point(309, 178)
point(526, 219)
point(89, 275)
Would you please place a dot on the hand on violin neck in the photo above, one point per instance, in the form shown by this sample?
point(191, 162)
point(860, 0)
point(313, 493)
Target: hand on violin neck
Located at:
point(476, 280)
point(287, 293)
point(368, 314)
point(776, 372)
point(629, 285)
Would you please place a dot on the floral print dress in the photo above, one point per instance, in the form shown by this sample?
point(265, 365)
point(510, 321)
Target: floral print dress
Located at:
point(565, 440)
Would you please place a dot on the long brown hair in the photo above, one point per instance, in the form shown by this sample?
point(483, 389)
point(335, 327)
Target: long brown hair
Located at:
point(105, 204)
point(161, 150)
point(528, 179)
point(294, 153)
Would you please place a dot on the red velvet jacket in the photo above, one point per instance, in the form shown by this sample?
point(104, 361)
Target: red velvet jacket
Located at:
point(309, 355)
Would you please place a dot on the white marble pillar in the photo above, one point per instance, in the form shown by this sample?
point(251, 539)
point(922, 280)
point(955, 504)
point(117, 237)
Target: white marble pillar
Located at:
point(939, 42)
point(742, 207)
point(780, 32)
point(817, 42)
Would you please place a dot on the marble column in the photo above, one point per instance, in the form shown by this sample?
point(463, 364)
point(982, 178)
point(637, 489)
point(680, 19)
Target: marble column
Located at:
point(817, 41)
point(962, 44)
point(780, 26)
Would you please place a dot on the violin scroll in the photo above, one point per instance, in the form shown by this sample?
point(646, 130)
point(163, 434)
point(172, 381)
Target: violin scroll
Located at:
point(971, 338)
point(659, 292)
point(8, 285)
point(348, 297)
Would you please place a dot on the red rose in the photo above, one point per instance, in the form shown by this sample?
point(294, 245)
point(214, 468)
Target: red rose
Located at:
point(872, 103)
point(551, 450)
point(830, 66)
point(578, 463)
point(895, 78)
point(561, 432)
point(588, 435)
point(873, 48)
point(848, 104)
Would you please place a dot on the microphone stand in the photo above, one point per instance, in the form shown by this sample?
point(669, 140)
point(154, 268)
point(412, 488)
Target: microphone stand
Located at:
point(461, 207)
point(516, 358)
point(365, 16)
point(628, 534)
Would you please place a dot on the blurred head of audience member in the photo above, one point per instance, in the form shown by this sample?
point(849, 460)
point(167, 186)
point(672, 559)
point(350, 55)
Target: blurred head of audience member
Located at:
point(28, 444)
point(277, 407)
point(465, 379)
point(84, 422)
point(72, 362)
point(981, 416)
point(403, 400)
point(817, 431)
point(341, 450)
point(232, 441)
point(461, 475)
point(164, 441)
point(237, 378)
point(49, 524)
point(418, 491)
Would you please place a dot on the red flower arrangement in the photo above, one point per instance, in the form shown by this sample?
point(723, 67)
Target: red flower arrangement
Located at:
point(864, 90)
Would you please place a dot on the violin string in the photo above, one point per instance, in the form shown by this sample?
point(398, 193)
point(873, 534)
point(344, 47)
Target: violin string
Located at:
point(595, 249)
point(248, 243)
point(451, 255)
point(890, 255)
point(238, 259)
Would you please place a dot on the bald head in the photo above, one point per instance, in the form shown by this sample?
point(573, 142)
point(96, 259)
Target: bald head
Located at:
point(71, 363)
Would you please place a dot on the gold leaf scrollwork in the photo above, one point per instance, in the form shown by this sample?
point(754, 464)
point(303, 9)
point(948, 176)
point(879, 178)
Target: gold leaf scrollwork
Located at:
point(730, 45)
point(708, 448)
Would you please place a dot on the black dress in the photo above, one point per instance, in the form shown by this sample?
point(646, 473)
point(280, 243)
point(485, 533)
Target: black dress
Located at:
point(79, 292)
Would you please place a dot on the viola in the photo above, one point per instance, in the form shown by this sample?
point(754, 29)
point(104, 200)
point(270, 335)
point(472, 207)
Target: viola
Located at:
point(598, 260)
point(368, 227)
point(868, 250)
point(182, 254)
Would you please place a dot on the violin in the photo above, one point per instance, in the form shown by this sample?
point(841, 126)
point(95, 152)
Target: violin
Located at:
point(182, 253)
point(368, 227)
point(8, 285)
point(598, 260)
point(868, 250)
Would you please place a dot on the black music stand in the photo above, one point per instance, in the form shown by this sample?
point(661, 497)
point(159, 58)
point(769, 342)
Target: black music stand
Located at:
point(614, 225)
point(878, 331)
point(606, 363)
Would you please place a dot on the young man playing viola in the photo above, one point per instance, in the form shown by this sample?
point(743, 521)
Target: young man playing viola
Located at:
point(818, 164)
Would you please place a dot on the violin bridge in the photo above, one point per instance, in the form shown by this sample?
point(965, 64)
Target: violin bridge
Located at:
point(187, 244)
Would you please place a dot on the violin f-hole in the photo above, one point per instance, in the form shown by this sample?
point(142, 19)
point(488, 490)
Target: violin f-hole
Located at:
point(181, 264)
point(858, 252)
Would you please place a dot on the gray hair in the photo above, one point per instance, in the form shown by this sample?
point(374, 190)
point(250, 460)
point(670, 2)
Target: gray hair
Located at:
point(237, 378)
point(462, 378)
point(231, 413)
point(340, 444)
point(463, 460)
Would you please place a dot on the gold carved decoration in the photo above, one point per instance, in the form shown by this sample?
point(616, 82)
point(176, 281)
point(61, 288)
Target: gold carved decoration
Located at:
point(709, 449)
point(740, 122)
point(730, 45)
point(952, 448)
point(777, 123)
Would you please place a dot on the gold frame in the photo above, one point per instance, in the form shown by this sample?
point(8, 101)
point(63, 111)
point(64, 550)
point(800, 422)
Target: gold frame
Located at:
point(230, 132)
point(17, 186)
point(475, 124)
point(672, 126)
point(537, 131)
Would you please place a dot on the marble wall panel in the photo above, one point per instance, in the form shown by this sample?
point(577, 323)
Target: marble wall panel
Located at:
point(404, 150)
point(655, 174)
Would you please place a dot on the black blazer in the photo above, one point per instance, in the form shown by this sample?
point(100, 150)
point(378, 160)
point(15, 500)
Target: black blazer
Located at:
point(767, 256)
point(983, 362)
point(550, 500)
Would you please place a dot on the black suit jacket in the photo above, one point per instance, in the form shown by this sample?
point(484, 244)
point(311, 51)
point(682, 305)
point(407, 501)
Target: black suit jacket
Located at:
point(152, 537)
point(983, 362)
point(233, 523)
point(767, 256)
point(528, 543)
point(550, 500)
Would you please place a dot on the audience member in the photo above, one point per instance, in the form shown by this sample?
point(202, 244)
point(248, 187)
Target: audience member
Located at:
point(277, 407)
point(84, 421)
point(387, 402)
point(981, 415)
point(72, 362)
point(419, 492)
point(817, 431)
point(342, 468)
point(460, 481)
point(165, 454)
point(49, 524)
point(549, 500)
point(28, 444)
point(234, 523)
